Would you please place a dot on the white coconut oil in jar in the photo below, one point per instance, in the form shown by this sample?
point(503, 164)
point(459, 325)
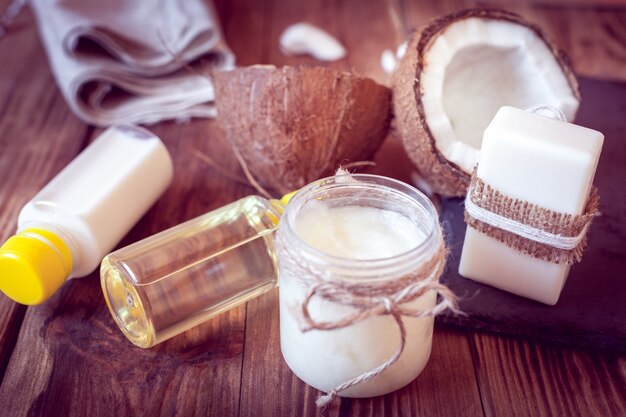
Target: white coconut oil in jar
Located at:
point(343, 239)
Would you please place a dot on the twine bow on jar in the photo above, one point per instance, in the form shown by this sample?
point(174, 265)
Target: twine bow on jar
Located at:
point(368, 298)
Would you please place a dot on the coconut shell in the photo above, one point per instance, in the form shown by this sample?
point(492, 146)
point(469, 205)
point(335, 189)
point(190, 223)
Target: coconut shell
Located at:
point(445, 177)
point(293, 125)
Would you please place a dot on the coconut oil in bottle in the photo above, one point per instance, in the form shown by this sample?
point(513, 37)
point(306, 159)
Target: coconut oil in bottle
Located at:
point(167, 283)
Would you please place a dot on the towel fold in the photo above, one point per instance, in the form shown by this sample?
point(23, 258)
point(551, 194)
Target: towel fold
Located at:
point(133, 61)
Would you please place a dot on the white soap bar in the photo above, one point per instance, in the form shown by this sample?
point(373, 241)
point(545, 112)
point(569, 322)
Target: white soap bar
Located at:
point(546, 162)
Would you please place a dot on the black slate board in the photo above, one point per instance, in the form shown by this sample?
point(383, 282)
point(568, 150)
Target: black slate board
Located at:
point(591, 311)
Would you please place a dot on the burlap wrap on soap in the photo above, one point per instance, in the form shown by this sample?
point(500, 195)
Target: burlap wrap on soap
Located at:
point(531, 217)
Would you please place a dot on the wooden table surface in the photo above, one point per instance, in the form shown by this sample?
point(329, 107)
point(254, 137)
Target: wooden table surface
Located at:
point(67, 357)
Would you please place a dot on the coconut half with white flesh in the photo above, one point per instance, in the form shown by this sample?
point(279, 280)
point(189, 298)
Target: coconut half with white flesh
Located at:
point(457, 72)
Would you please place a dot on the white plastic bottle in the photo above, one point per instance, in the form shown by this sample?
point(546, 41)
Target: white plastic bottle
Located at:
point(66, 229)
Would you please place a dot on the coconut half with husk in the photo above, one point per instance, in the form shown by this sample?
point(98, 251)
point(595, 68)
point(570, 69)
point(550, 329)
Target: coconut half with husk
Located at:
point(457, 72)
point(293, 125)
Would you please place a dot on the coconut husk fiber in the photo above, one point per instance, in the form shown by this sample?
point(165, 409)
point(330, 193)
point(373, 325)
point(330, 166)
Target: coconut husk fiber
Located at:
point(530, 216)
point(293, 125)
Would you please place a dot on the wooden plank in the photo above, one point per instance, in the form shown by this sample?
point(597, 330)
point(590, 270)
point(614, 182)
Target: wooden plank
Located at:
point(268, 385)
point(245, 25)
point(85, 366)
point(70, 358)
point(588, 4)
point(517, 377)
point(269, 388)
point(597, 51)
point(416, 14)
point(446, 387)
point(29, 155)
point(12, 315)
point(367, 30)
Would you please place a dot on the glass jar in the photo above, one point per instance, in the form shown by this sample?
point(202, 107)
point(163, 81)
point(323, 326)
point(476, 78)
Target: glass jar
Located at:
point(325, 359)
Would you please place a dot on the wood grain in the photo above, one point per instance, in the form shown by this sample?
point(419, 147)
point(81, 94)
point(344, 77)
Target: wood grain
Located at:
point(269, 388)
point(598, 50)
point(68, 358)
point(255, 18)
point(449, 374)
point(263, 367)
point(26, 158)
point(85, 366)
point(522, 378)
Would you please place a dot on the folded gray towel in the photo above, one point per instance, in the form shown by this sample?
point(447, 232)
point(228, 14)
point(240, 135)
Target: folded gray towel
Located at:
point(125, 61)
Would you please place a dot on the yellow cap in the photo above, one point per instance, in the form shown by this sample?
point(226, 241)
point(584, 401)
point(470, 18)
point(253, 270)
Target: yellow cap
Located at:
point(33, 265)
point(280, 206)
point(287, 197)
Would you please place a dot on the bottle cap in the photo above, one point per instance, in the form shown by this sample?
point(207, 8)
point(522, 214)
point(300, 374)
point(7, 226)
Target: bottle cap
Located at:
point(33, 265)
point(287, 197)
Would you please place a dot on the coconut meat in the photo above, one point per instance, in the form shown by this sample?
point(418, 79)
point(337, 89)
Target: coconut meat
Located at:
point(477, 66)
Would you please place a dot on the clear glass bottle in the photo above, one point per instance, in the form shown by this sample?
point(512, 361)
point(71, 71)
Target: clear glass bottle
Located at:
point(167, 283)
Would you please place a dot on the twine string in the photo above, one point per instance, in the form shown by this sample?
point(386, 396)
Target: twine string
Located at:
point(366, 376)
point(367, 307)
point(523, 230)
point(533, 230)
point(549, 111)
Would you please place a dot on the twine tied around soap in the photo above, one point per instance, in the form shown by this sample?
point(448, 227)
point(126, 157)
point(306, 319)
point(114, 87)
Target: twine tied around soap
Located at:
point(369, 298)
point(533, 230)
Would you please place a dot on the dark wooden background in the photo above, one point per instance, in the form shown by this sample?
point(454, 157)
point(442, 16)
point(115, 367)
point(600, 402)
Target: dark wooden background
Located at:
point(67, 357)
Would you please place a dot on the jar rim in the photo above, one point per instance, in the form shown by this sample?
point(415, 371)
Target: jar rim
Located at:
point(365, 267)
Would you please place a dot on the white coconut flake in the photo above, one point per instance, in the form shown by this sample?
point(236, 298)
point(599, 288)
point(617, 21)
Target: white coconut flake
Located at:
point(401, 49)
point(306, 39)
point(388, 61)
